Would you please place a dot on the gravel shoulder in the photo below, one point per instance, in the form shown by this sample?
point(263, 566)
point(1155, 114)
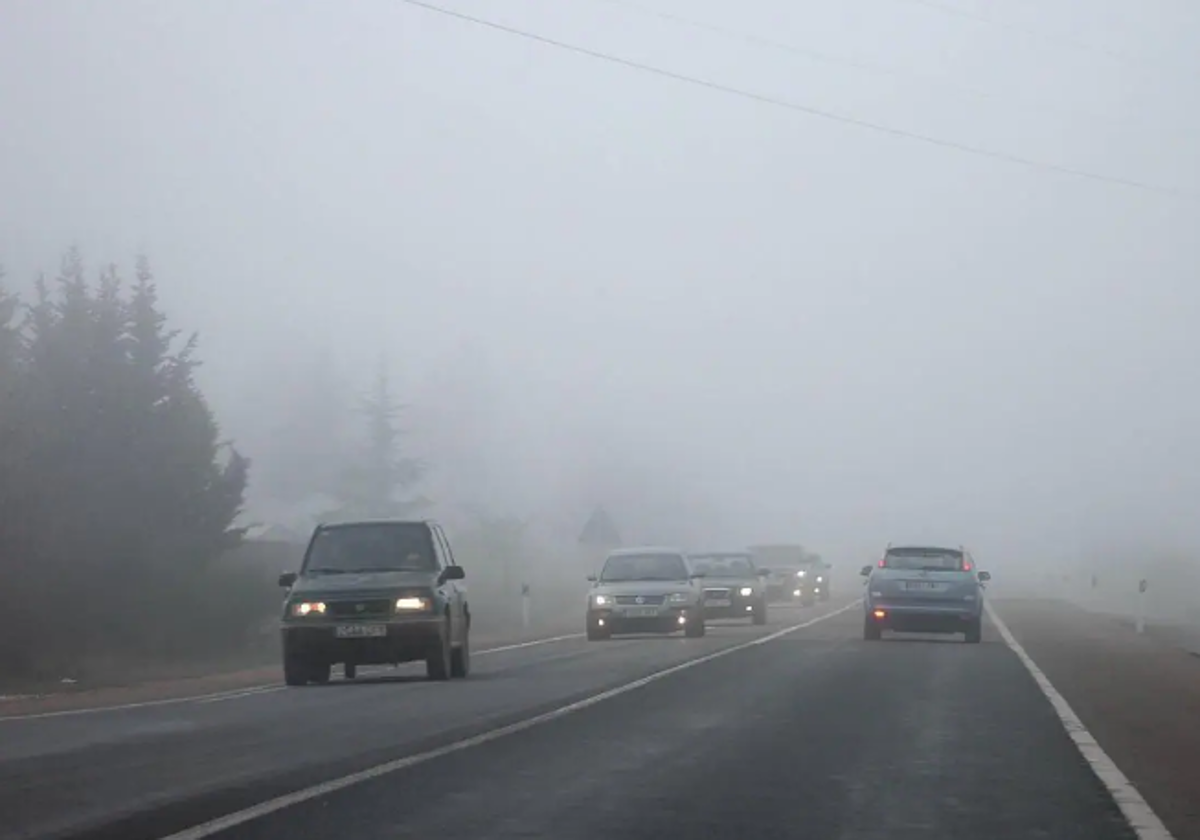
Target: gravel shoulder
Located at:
point(1139, 695)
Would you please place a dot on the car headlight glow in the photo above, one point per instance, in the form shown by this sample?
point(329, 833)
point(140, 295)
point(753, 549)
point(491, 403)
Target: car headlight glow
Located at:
point(820, 579)
point(411, 603)
point(602, 600)
point(746, 591)
point(308, 608)
point(801, 573)
point(678, 598)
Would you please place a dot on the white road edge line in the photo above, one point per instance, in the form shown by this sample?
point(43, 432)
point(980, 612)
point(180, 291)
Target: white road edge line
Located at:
point(254, 812)
point(247, 691)
point(237, 695)
point(1137, 812)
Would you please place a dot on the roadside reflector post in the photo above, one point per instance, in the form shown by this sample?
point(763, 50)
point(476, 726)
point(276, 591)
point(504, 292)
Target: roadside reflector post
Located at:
point(525, 605)
point(1141, 609)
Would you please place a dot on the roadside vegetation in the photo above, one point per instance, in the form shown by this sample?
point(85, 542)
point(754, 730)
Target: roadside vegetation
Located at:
point(122, 538)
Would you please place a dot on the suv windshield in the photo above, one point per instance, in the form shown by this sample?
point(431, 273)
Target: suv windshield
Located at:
point(924, 559)
point(725, 566)
point(644, 567)
point(387, 546)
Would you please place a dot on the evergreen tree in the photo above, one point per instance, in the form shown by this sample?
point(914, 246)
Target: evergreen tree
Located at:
point(124, 490)
point(380, 481)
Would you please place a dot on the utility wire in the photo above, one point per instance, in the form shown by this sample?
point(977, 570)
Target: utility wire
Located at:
point(1031, 32)
point(867, 66)
point(804, 109)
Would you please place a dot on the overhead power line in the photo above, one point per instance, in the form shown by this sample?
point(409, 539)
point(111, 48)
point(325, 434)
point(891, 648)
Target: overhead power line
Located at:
point(803, 109)
point(1031, 32)
point(857, 64)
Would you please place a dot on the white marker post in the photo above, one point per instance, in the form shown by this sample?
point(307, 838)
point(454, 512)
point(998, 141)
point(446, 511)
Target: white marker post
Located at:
point(1141, 609)
point(525, 605)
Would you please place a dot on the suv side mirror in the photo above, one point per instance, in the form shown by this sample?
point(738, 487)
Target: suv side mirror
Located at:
point(866, 570)
point(764, 572)
point(697, 575)
point(453, 573)
point(287, 579)
point(985, 575)
point(591, 578)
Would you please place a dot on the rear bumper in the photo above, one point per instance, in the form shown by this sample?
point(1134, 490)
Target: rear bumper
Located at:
point(404, 641)
point(924, 618)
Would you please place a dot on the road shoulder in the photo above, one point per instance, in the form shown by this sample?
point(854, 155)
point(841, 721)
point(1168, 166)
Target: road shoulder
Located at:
point(1138, 696)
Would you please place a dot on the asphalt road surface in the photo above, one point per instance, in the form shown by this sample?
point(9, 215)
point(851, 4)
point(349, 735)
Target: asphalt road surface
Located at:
point(798, 729)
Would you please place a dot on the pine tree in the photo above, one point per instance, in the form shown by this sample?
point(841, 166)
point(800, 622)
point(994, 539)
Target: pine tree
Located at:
point(379, 483)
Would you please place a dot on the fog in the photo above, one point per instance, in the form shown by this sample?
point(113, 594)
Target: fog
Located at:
point(727, 320)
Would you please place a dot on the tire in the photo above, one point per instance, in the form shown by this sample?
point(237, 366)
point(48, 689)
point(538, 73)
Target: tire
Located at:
point(295, 670)
point(460, 657)
point(319, 673)
point(974, 634)
point(695, 627)
point(349, 670)
point(872, 632)
point(437, 661)
point(759, 616)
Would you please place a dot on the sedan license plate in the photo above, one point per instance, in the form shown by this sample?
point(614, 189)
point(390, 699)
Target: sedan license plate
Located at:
point(642, 612)
point(359, 631)
point(718, 602)
point(922, 586)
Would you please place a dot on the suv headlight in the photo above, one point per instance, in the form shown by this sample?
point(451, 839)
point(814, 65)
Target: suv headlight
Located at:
point(746, 591)
point(801, 573)
point(679, 598)
point(413, 603)
point(603, 600)
point(308, 608)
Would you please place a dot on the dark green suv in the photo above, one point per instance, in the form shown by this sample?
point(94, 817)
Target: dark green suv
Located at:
point(375, 593)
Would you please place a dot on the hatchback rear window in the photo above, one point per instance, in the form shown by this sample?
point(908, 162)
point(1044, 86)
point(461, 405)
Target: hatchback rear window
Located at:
point(926, 559)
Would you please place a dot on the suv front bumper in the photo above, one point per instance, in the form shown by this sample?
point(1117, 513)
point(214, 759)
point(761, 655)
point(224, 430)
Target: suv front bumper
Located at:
point(401, 640)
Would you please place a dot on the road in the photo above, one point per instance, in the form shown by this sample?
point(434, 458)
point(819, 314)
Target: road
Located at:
point(796, 729)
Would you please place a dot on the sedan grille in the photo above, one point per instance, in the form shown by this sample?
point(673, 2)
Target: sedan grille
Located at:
point(641, 600)
point(369, 608)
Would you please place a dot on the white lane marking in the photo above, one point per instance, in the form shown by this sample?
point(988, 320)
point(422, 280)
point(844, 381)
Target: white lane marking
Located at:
point(1137, 812)
point(254, 812)
point(236, 693)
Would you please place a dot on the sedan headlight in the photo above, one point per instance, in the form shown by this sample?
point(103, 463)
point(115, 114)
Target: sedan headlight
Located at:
point(412, 603)
point(679, 598)
point(746, 591)
point(308, 608)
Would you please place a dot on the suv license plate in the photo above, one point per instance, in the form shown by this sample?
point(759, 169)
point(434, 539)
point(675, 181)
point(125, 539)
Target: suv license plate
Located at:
point(642, 612)
point(359, 631)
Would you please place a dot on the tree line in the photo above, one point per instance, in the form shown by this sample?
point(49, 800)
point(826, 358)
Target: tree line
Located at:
point(119, 494)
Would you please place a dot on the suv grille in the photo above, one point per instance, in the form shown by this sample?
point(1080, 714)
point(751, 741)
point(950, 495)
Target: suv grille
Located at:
point(647, 600)
point(367, 608)
point(717, 593)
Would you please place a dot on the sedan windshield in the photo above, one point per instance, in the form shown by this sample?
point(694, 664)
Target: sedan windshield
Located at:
point(371, 548)
point(924, 559)
point(644, 567)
